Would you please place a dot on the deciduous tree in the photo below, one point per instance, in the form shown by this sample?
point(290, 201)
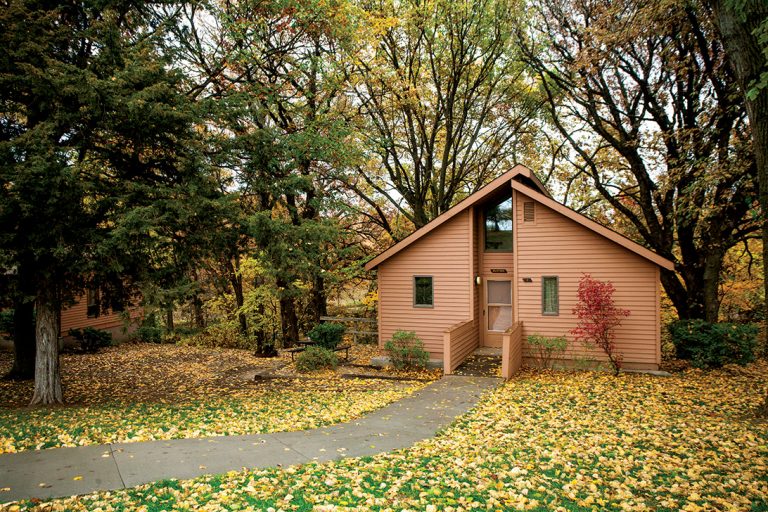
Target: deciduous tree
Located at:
point(598, 317)
point(445, 103)
point(652, 112)
point(743, 26)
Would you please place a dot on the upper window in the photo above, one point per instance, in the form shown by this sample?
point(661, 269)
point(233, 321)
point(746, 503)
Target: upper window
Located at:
point(550, 295)
point(423, 292)
point(498, 226)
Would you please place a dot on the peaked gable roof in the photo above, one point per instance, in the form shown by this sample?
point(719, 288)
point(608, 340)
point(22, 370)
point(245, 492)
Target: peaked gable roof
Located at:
point(482, 193)
point(542, 195)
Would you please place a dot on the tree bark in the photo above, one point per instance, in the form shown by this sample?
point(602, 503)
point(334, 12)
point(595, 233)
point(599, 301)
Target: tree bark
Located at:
point(289, 321)
point(198, 318)
point(319, 299)
point(169, 319)
point(47, 374)
point(24, 348)
point(197, 312)
point(236, 281)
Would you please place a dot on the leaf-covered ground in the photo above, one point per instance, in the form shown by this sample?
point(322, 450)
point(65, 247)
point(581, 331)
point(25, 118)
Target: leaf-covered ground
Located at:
point(144, 391)
point(544, 441)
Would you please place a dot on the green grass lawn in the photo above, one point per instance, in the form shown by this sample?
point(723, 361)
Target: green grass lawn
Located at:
point(544, 441)
point(144, 392)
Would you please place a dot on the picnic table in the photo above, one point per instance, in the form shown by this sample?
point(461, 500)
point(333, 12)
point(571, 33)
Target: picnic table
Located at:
point(303, 344)
point(365, 327)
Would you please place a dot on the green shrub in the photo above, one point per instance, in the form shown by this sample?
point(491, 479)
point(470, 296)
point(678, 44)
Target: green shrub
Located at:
point(6, 322)
point(545, 349)
point(316, 358)
point(223, 335)
point(406, 350)
point(90, 339)
point(327, 335)
point(709, 345)
point(149, 334)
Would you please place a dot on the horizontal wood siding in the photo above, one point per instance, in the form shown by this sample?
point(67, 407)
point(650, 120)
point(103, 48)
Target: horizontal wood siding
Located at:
point(498, 261)
point(461, 340)
point(76, 317)
point(557, 246)
point(512, 350)
point(443, 254)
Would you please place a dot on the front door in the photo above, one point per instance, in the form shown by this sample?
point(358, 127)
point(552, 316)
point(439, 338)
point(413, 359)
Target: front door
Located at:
point(497, 310)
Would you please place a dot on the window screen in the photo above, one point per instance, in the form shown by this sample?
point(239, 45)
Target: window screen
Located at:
point(423, 294)
point(550, 295)
point(498, 226)
point(499, 292)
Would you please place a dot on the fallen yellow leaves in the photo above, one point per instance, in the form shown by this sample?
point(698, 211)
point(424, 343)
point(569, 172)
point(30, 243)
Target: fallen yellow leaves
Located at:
point(147, 392)
point(543, 441)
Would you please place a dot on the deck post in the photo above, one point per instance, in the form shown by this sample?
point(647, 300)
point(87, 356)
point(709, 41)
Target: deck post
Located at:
point(447, 370)
point(512, 350)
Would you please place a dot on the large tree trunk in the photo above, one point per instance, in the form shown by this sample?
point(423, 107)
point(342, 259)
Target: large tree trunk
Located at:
point(23, 341)
point(265, 341)
point(236, 280)
point(698, 297)
point(289, 321)
point(198, 318)
point(169, 326)
point(713, 264)
point(319, 299)
point(47, 375)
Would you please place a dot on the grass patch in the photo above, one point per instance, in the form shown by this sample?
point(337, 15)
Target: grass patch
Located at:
point(544, 441)
point(146, 392)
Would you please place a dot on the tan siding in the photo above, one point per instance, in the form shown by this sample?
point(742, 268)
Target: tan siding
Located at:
point(498, 261)
point(461, 340)
point(443, 254)
point(76, 317)
point(558, 246)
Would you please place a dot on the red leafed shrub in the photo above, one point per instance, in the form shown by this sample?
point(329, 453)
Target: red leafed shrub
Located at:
point(598, 317)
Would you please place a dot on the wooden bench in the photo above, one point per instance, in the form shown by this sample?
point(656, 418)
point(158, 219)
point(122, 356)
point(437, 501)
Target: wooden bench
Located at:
point(295, 350)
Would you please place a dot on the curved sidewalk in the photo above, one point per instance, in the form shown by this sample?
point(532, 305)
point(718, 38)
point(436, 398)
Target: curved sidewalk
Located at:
point(50, 473)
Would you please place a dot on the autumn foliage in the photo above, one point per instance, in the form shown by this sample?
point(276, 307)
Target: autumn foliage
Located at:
point(598, 317)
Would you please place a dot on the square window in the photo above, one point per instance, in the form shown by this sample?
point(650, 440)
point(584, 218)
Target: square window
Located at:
point(550, 295)
point(423, 293)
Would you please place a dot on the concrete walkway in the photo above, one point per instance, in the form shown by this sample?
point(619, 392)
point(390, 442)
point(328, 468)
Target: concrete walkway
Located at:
point(50, 473)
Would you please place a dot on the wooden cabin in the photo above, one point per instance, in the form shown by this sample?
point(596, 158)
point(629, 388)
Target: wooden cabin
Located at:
point(87, 311)
point(505, 263)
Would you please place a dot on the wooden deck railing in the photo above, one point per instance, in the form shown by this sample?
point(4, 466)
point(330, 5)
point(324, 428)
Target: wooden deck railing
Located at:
point(512, 350)
point(459, 341)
